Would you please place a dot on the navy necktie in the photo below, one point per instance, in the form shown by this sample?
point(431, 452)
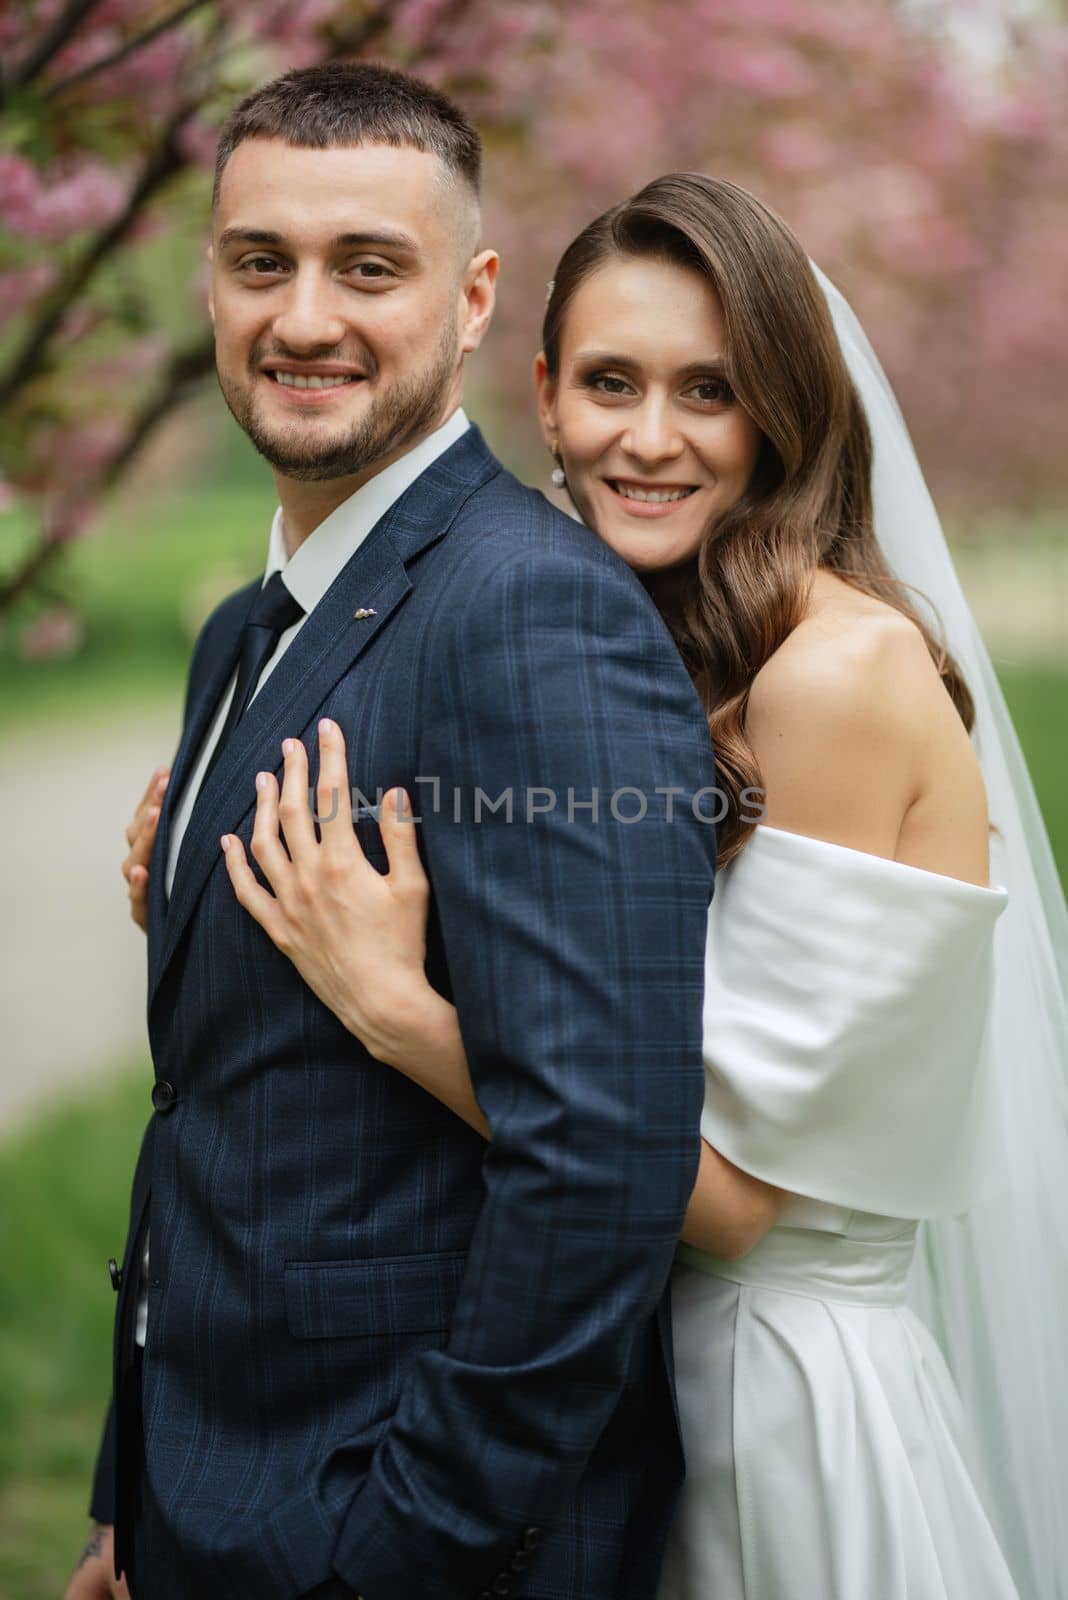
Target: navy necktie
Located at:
point(273, 611)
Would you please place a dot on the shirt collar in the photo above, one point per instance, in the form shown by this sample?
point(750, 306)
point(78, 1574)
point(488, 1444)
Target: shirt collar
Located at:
point(311, 569)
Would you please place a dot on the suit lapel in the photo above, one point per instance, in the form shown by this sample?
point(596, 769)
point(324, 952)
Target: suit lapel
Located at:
point(208, 680)
point(332, 639)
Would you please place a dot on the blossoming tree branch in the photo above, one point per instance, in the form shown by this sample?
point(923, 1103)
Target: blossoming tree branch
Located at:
point(932, 186)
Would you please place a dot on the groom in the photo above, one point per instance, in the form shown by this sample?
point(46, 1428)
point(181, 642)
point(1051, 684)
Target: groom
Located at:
point(358, 1351)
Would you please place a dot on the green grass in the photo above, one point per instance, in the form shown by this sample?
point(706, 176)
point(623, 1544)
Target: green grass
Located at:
point(1038, 700)
point(64, 1198)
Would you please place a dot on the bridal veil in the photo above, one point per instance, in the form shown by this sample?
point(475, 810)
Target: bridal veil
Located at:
point(992, 1283)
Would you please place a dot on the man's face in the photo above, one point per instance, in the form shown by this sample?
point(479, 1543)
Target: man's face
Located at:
point(342, 300)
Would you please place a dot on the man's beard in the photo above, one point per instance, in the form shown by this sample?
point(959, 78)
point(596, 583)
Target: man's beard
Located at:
point(402, 413)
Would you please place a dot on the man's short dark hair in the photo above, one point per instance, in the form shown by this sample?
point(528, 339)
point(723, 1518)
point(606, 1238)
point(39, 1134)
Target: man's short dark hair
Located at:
point(340, 103)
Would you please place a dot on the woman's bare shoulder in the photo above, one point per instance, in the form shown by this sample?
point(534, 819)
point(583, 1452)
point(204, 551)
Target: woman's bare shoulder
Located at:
point(843, 720)
point(853, 658)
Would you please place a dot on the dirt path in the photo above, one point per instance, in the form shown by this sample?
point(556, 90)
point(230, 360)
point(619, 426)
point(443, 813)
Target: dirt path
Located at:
point(72, 964)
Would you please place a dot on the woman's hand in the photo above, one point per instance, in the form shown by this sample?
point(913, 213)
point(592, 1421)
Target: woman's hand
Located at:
point(140, 836)
point(357, 937)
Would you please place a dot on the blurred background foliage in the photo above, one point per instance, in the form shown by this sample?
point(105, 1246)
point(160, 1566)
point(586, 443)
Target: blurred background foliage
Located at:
point(918, 147)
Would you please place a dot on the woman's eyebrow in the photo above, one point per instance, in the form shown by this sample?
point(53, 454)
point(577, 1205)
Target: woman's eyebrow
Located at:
point(714, 366)
point(606, 358)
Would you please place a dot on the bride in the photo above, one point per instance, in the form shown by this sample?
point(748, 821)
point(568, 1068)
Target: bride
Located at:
point(884, 1104)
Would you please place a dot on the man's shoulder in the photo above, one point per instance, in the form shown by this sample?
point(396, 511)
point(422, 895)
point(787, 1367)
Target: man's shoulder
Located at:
point(517, 568)
point(503, 503)
point(504, 521)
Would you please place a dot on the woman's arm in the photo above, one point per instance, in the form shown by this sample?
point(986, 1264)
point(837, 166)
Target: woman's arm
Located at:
point(358, 938)
point(841, 721)
point(419, 1035)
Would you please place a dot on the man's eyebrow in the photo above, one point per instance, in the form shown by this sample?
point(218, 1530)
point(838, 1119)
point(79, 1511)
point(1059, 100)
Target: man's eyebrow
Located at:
point(376, 238)
point(385, 238)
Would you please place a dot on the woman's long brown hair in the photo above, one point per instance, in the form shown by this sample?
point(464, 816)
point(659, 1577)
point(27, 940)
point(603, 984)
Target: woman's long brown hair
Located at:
point(809, 501)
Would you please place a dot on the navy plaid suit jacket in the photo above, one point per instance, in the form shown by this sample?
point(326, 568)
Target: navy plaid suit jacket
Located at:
point(378, 1348)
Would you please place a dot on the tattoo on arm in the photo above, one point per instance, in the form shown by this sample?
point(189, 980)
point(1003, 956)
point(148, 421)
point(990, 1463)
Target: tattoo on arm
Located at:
point(94, 1546)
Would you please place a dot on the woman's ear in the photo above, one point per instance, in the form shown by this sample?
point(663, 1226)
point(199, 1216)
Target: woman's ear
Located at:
point(546, 388)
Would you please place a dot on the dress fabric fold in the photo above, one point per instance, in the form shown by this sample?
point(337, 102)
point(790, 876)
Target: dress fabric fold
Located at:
point(828, 1454)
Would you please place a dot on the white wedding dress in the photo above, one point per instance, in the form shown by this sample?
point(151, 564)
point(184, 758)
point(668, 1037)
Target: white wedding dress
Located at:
point(847, 1061)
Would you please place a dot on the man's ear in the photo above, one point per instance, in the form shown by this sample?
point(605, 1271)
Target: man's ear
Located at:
point(546, 388)
point(480, 296)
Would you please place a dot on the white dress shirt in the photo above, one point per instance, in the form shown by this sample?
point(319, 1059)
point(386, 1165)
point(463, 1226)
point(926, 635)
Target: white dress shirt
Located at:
point(308, 573)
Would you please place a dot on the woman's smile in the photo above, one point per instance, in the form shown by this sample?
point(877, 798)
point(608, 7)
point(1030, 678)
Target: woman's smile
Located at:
point(640, 498)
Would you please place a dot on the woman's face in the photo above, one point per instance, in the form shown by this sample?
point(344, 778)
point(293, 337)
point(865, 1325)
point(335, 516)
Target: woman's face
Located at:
point(653, 442)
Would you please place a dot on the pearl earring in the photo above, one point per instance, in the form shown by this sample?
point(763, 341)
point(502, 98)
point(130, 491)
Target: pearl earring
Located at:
point(559, 477)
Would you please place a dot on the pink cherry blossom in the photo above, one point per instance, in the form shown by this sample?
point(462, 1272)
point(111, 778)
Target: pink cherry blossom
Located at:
point(934, 192)
point(130, 363)
point(415, 20)
point(798, 149)
point(57, 632)
point(22, 286)
point(20, 187)
point(199, 141)
point(151, 75)
point(292, 22)
point(75, 455)
point(70, 195)
point(78, 320)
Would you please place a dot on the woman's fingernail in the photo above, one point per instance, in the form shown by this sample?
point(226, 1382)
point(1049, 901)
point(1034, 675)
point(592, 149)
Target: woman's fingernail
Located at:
point(261, 780)
point(225, 841)
point(287, 747)
point(404, 805)
point(327, 727)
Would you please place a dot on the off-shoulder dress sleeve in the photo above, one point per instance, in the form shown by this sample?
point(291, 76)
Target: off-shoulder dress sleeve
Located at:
point(845, 1026)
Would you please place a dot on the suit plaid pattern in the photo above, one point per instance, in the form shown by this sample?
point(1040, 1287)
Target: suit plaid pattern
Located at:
point(378, 1349)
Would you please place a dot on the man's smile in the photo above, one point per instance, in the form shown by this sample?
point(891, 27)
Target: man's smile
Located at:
point(312, 385)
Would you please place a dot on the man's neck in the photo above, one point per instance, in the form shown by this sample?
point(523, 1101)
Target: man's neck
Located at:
point(306, 504)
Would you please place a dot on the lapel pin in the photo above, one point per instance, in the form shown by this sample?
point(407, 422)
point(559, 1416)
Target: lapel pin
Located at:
point(364, 611)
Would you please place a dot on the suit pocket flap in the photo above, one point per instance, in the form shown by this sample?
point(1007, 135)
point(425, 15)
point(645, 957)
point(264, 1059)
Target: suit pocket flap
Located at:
point(374, 1298)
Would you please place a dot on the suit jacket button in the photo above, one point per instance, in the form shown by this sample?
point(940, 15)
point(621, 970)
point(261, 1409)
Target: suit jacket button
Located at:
point(520, 1560)
point(163, 1096)
point(502, 1584)
point(115, 1273)
point(531, 1538)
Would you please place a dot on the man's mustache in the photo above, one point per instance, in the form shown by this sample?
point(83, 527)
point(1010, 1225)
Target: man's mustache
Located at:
point(362, 359)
